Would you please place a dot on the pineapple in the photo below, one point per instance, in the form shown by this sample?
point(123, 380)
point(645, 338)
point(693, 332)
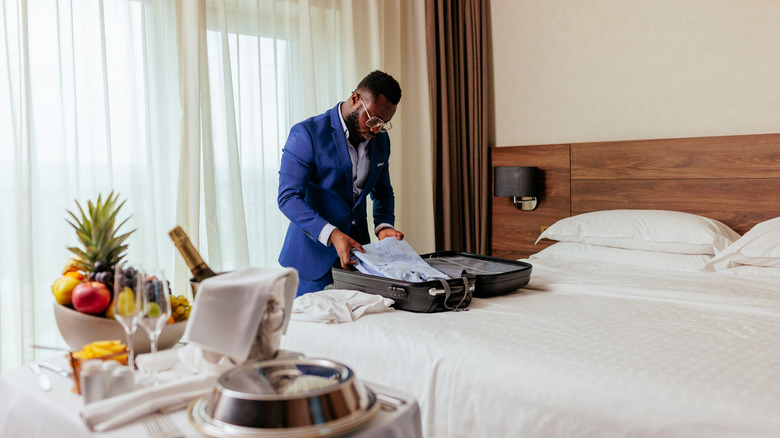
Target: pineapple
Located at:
point(101, 247)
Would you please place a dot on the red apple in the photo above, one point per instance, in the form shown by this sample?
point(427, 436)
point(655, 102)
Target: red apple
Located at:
point(91, 297)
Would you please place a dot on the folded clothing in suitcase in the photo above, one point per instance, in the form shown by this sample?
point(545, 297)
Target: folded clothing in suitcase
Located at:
point(485, 276)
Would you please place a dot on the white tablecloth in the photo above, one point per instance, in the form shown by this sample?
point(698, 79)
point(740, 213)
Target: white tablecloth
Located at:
point(26, 411)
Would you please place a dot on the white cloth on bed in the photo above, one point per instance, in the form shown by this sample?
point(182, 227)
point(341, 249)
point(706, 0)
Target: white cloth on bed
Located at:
point(338, 305)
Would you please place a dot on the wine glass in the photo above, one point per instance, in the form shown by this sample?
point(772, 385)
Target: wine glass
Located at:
point(156, 305)
point(127, 305)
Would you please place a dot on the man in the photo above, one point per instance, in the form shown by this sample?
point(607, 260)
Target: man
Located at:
point(330, 163)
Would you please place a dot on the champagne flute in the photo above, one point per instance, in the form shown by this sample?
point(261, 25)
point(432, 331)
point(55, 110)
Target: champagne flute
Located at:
point(156, 306)
point(127, 305)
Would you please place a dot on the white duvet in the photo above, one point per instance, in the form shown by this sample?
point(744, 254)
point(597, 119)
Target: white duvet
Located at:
point(583, 350)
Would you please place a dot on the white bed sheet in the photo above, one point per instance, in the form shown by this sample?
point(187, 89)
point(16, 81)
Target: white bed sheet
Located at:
point(583, 350)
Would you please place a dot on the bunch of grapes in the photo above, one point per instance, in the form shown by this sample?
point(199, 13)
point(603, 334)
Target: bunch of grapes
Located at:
point(180, 307)
point(129, 273)
point(103, 274)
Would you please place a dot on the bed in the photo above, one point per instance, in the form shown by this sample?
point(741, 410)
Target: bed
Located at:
point(653, 308)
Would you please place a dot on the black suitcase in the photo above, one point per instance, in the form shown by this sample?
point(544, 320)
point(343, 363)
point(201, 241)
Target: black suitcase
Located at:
point(494, 275)
point(424, 296)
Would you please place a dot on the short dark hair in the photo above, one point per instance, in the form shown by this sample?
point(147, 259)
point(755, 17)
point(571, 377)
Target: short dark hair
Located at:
point(378, 82)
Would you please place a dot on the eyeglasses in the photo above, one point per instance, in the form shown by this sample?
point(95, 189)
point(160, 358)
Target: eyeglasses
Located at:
point(375, 122)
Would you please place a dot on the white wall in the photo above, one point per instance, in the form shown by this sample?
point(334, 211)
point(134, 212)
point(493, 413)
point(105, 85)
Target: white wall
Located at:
point(588, 70)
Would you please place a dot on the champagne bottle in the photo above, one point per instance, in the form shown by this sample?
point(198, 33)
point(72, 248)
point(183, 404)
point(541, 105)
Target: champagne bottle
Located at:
point(200, 270)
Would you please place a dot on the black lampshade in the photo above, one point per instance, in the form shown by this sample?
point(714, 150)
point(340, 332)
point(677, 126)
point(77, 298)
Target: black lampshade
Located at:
point(516, 181)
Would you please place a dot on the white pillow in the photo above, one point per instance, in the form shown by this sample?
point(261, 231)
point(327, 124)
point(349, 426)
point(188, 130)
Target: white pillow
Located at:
point(758, 247)
point(574, 251)
point(647, 230)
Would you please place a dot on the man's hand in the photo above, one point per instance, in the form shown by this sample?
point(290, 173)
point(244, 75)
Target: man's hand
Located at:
point(344, 244)
point(390, 232)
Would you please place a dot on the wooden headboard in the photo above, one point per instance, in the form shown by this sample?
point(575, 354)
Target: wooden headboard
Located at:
point(734, 179)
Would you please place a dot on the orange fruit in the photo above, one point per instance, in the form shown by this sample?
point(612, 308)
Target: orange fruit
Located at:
point(74, 274)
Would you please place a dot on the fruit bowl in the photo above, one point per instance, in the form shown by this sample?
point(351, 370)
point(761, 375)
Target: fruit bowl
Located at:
point(79, 329)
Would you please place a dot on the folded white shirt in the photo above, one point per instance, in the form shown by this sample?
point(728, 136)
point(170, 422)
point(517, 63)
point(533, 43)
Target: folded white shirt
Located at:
point(338, 305)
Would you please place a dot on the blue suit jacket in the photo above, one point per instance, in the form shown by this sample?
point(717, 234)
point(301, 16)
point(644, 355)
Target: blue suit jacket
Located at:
point(315, 188)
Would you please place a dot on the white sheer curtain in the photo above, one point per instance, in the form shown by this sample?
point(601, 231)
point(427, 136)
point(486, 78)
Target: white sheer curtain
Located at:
point(88, 104)
point(182, 107)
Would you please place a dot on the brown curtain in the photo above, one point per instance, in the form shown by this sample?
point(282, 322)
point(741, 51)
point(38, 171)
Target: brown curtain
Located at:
point(457, 46)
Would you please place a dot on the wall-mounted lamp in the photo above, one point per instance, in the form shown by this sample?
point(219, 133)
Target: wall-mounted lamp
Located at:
point(519, 183)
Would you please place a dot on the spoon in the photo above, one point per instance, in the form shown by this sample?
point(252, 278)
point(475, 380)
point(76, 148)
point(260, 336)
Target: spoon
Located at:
point(61, 371)
point(43, 379)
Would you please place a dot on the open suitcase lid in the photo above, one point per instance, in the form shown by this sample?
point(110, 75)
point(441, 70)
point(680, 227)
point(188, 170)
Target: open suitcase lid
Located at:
point(494, 276)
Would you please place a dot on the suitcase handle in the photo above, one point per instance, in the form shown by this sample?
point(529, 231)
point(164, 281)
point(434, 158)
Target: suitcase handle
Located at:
point(467, 288)
point(434, 291)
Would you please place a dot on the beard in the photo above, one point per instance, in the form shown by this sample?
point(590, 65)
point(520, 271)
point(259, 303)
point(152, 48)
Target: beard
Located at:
point(352, 127)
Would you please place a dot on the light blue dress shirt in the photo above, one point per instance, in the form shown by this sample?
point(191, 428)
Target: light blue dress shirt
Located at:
point(393, 258)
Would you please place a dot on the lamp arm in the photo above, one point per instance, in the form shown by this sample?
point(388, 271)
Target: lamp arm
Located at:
point(525, 202)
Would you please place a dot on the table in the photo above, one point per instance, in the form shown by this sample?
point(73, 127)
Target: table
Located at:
point(26, 411)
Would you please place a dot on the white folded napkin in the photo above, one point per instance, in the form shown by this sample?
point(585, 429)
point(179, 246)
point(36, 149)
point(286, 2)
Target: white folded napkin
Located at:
point(184, 374)
point(228, 308)
point(106, 414)
point(162, 360)
point(338, 305)
point(177, 363)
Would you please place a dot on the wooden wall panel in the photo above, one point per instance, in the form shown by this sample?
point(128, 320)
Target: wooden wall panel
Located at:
point(734, 179)
point(738, 156)
point(738, 203)
point(513, 231)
